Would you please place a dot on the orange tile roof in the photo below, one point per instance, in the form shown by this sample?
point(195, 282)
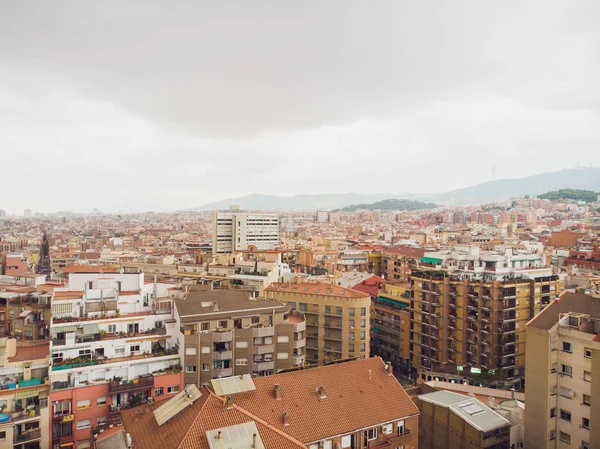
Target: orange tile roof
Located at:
point(317, 288)
point(74, 268)
point(68, 294)
point(188, 429)
point(359, 394)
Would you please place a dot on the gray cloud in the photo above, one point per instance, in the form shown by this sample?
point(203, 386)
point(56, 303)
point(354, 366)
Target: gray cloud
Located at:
point(291, 97)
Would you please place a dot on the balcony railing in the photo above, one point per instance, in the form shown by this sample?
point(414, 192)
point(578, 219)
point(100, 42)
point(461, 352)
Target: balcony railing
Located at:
point(142, 382)
point(27, 435)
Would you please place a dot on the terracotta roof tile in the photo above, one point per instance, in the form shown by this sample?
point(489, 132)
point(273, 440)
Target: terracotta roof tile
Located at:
point(317, 288)
point(352, 397)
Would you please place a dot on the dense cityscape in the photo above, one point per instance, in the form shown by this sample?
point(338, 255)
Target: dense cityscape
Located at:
point(487, 316)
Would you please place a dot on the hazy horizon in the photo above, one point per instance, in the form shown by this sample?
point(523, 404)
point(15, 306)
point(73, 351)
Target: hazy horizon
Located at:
point(147, 106)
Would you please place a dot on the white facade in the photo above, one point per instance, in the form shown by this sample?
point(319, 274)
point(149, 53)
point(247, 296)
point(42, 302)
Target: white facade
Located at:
point(236, 231)
point(110, 325)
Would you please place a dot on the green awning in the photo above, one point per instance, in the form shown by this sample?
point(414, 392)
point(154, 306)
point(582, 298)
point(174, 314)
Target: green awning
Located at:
point(56, 330)
point(91, 329)
point(392, 301)
point(431, 260)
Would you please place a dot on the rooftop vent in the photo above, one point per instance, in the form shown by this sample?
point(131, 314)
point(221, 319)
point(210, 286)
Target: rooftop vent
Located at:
point(277, 391)
point(228, 402)
point(321, 392)
point(285, 419)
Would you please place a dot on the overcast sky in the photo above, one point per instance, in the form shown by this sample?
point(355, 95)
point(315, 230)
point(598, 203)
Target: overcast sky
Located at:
point(136, 106)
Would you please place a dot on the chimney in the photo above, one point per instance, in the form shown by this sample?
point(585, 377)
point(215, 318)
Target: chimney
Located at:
point(286, 419)
point(321, 392)
point(369, 374)
point(228, 403)
point(390, 369)
point(253, 440)
point(512, 393)
point(215, 306)
point(277, 391)
point(218, 435)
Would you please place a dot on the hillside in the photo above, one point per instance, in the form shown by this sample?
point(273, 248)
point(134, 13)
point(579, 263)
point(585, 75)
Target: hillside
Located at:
point(486, 192)
point(389, 204)
point(588, 196)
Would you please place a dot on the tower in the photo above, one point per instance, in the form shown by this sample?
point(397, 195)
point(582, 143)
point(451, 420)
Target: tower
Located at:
point(43, 266)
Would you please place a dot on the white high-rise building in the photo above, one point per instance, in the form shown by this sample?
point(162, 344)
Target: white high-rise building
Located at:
point(236, 231)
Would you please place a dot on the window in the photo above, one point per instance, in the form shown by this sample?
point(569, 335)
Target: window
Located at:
point(190, 368)
point(204, 326)
point(268, 340)
point(587, 376)
point(101, 401)
point(84, 424)
point(567, 370)
point(282, 356)
point(223, 323)
point(552, 434)
point(241, 344)
point(205, 367)
point(567, 347)
point(205, 349)
point(120, 350)
point(553, 369)
point(134, 348)
point(85, 352)
point(241, 362)
point(585, 423)
point(363, 323)
point(363, 311)
point(338, 311)
point(328, 309)
point(565, 415)
point(101, 420)
point(158, 391)
point(585, 445)
point(346, 441)
point(587, 353)
point(3, 436)
point(351, 312)
point(371, 433)
point(401, 429)
point(362, 335)
point(303, 307)
point(268, 357)
point(351, 324)
point(553, 412)
point(565, 437)
point(112, 328)
point(362, 347)
point(84, 403)
point(190, 351)
point(387, 428)
point(351, 347)
point(283, 339)
point(173, 389)
point(84, 444)
point(255, 319)
point(587, 399)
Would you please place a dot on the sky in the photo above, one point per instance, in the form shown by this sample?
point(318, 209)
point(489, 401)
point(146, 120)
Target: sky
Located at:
point(161, 105)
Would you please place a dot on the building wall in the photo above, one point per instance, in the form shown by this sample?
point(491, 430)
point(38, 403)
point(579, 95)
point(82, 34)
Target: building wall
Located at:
point(332, 335)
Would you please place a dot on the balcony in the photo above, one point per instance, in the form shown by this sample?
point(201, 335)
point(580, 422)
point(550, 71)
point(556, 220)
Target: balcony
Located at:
point(222, 337)
point(258, 332)
point(141, 383)
point(263, 366)
point(26, 414)
point(223, 372)
point(27, 435)
point(222, 355)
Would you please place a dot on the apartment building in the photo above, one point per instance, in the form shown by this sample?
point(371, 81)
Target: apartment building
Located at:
point(29, 316)
point(310, 408)
point(24, 416)
point(398, 260)
point(451, 420)
point(563, 375)
point(237, 231)
point(469, 310)
point(390, 324)
point(336, 319)
point(113, 346)
point(235, 332)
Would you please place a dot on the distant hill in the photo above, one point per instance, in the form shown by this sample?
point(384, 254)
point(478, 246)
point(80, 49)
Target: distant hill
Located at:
point(504, 189)
point(486, 192)
point(588, 196)
point(390, 204)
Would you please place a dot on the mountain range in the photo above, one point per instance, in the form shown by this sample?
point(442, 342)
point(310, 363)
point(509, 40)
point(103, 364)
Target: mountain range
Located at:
point(486, 192)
